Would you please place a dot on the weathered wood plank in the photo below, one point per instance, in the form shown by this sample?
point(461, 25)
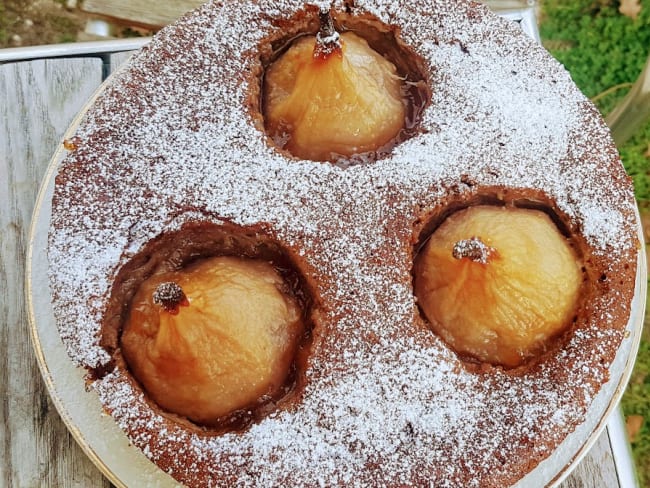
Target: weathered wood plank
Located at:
point(117, 59)
point(597, 469)
point(144, 13)
point(38, 101)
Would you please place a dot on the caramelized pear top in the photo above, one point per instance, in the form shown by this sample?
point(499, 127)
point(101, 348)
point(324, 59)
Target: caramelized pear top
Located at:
point(170, 296)
point(497, 283)
point(327, 40)
point(323, 103)
point(230, 345)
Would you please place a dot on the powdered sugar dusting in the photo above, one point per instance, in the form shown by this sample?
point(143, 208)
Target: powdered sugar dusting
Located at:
point(170, 141)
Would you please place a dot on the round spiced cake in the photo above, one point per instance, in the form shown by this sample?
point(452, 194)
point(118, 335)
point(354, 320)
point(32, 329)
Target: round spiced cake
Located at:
point(384, 318)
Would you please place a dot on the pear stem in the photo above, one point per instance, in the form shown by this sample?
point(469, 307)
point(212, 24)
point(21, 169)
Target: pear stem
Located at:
point(474, 249)
point(170, 296)
point(328, 40)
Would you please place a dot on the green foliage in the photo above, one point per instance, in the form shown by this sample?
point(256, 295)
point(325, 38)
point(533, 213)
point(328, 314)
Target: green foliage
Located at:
point(636, 157)
point(602, 49)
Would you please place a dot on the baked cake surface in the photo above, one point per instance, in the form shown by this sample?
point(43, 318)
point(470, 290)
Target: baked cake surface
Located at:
point(173, 139)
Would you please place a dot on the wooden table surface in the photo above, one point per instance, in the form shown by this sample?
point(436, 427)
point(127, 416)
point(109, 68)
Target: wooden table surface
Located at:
point(38, 100)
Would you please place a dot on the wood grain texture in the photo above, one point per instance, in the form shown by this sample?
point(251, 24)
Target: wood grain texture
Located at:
point(38, 100)
point(117, 59)
point(145, 13)
point(597, 469)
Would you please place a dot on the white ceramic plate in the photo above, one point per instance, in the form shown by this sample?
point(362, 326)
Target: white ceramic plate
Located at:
point(125, 465)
